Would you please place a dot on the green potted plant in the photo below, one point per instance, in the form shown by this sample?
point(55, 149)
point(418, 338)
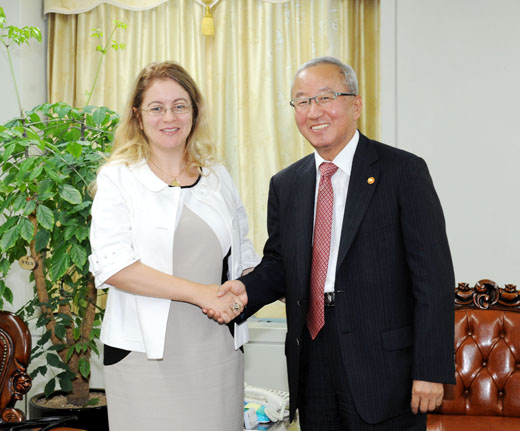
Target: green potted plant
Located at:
point(49, 156)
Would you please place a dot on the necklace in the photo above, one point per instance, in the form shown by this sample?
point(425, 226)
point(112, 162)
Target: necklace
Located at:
point(174, 182)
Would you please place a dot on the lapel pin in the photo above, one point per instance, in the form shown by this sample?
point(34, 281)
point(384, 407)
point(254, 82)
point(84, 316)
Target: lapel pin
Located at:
point(371, 180)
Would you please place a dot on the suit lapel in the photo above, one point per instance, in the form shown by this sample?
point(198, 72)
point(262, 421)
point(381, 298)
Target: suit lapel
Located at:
point(360, 192)
point(303, 219)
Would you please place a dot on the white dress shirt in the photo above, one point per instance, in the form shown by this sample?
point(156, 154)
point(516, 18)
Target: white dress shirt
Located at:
point(340, 181)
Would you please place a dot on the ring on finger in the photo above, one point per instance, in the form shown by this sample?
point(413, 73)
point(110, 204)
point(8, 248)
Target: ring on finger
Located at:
point(235, 306)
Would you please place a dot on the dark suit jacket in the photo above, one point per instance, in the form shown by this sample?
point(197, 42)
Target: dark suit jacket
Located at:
point(394, 277)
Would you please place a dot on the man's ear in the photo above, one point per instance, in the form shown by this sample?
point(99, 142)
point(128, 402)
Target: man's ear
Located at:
point(358, 105)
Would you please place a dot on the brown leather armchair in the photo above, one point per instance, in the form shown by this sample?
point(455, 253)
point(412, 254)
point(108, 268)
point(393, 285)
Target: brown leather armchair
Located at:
point(15, 353)
point(486, 395)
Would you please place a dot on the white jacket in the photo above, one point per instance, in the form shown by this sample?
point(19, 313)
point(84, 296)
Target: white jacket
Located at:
point(134, 216)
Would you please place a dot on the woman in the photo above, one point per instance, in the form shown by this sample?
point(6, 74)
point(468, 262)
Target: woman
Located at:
point(167, 226)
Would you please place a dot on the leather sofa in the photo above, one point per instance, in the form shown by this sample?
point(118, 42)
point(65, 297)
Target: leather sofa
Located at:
point(486, 396)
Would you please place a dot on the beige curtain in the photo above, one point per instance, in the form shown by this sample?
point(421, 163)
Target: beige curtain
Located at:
point(80, 6)
point(245, 71)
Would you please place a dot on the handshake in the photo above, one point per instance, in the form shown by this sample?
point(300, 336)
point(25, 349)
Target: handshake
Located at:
point(228, 303)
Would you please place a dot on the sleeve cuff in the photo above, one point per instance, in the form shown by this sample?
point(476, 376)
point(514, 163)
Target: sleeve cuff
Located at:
point(109, 261)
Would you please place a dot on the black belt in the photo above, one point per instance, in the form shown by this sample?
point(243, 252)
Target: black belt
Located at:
point(329, 298)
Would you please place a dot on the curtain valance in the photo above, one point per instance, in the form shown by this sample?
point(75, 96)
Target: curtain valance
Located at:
point(71, 7)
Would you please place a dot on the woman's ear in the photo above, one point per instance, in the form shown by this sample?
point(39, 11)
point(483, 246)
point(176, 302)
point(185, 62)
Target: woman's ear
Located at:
point(136, 113)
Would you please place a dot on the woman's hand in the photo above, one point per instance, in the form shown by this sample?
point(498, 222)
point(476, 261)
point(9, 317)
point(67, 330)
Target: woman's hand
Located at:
point(224, 308)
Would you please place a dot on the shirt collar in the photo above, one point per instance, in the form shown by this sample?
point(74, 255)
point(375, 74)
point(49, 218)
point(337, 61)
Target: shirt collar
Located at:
point(345, 157)
point(145, 175)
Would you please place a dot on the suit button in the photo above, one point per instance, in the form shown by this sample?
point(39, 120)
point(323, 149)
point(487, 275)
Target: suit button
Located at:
point(298, 342)
point(299, 303)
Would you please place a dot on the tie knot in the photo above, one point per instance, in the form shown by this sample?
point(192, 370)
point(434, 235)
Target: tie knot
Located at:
point(328, 169)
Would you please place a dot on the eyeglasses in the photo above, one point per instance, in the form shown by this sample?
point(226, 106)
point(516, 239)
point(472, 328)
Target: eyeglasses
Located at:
point(179, 108)
point(303, 103)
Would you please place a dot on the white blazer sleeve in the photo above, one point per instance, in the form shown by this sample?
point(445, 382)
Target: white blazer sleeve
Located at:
point(110, 232)
point(249, 257)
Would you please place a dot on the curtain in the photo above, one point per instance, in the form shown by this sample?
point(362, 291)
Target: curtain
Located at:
point(80, 6)
point(245, 71)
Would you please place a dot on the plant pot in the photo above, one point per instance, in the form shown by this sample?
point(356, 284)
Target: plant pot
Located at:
point(94, 418)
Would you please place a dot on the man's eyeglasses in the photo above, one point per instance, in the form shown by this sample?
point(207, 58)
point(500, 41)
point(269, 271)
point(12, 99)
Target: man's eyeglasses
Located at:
point(304, 103)
point(179, 108)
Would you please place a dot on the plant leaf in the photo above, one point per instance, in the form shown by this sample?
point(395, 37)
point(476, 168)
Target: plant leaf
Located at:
point(78, 255)
point(99, 116)
point(60, 263)
point(8, 295)
point(63, 110)
point(53, 360)
point(69, 353)
point(59, 330)
point(84, 367)
point(45, 217)
point(35, 173)
point(49, 387)
point(19, 202)
point(45, 337)
point(29, 208)
point(93, 402)
point(41, 370)
point(9, 238)
point(26, 166)
point(70, 194)
point(75, 149)
point(96, 32)
point(44, 188)
point(81, 233)
point(41, 240)
point(69, 232)
point(26, 229)
point(66, 383)
point(4, 266)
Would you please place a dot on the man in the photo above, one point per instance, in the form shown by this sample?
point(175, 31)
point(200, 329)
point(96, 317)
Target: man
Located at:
point(358, 248)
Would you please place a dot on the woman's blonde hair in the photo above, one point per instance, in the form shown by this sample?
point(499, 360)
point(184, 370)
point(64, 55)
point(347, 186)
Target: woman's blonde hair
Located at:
point(130, 142)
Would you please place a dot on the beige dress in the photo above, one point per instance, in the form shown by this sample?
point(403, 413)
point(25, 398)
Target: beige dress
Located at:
point(198, 386)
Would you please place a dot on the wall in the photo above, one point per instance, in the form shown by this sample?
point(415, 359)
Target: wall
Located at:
point(29, 65)
point(28, 61)
point(450, 94)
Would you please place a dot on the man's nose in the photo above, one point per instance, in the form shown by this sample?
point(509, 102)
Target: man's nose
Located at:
point(315, 109)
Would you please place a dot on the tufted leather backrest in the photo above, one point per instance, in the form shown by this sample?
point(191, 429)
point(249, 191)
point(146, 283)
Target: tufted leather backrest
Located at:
point(487, 353)
point(15, 351)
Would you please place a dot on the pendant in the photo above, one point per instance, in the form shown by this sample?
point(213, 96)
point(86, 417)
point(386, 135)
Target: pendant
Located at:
point(175, 183)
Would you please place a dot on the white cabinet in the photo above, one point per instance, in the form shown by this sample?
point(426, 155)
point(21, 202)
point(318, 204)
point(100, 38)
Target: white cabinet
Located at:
point(265, 364)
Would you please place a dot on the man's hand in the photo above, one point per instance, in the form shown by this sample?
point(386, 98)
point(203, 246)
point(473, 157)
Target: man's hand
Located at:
point(223, 307)
point(236, 287)
point(233, 287)
point(426, 396)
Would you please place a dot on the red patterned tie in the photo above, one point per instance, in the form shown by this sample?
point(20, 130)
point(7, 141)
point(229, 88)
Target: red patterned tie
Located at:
point(321, 248)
